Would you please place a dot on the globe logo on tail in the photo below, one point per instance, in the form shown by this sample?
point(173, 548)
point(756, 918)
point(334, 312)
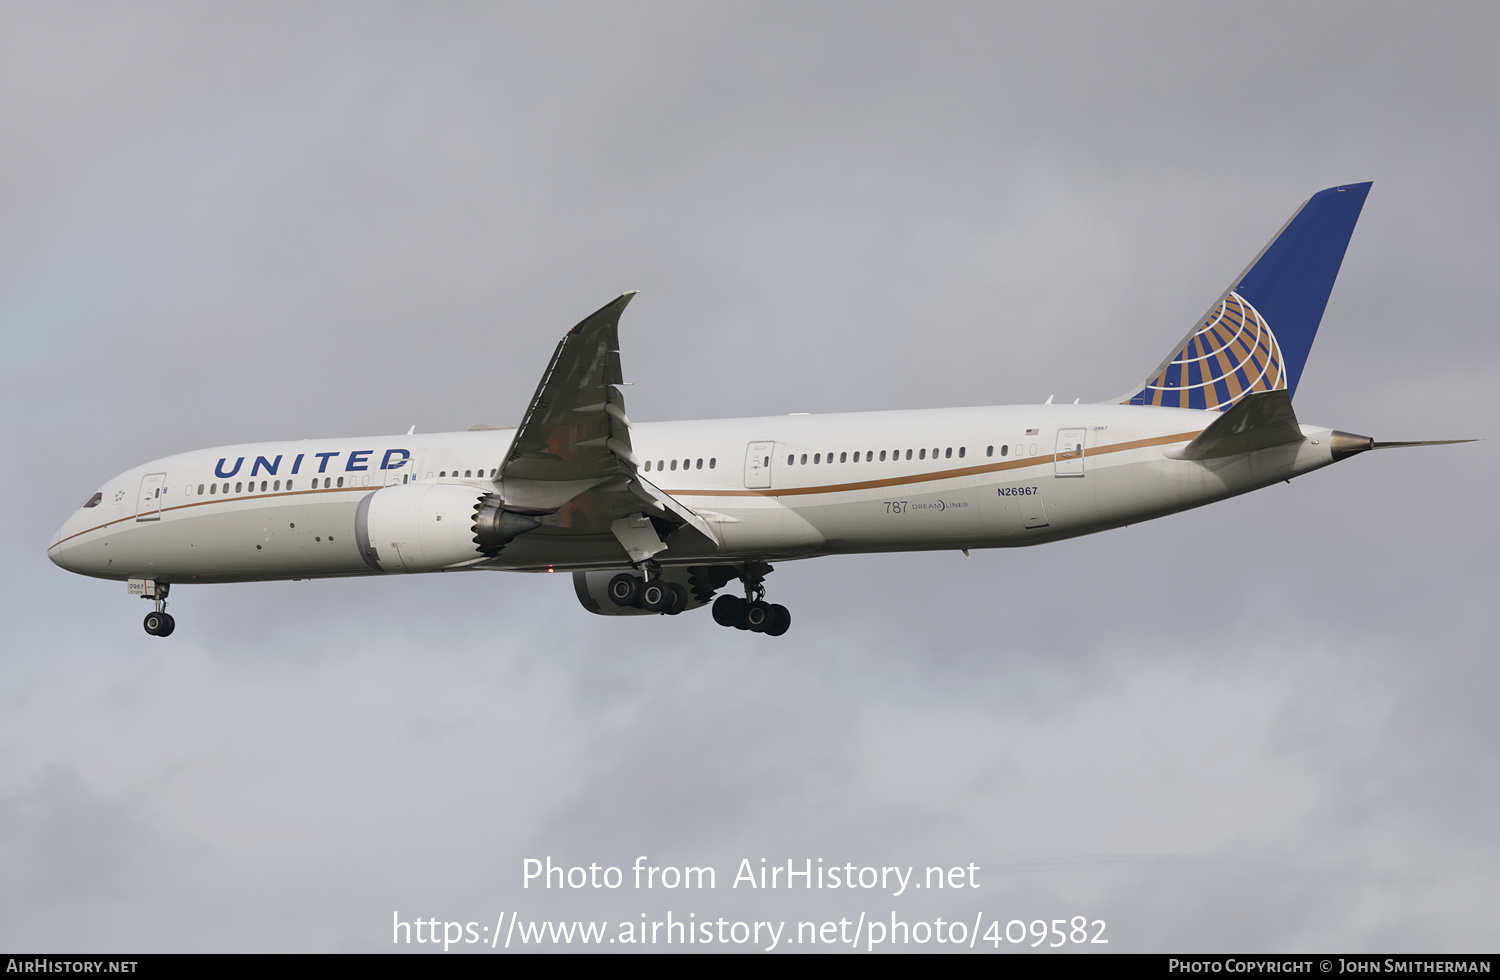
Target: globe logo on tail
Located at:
point(1231, 355)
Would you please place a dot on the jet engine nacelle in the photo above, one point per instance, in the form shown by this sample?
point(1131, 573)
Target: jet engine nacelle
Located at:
point(592, 591)
point(426, 527)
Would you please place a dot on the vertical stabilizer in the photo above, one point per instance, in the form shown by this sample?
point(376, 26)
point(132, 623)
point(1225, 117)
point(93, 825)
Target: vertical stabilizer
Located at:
point(1258, 335)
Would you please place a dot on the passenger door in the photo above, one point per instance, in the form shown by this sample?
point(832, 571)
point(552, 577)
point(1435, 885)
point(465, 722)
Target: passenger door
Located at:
point(1069, 458)
point(758, 465)
point(148, 505)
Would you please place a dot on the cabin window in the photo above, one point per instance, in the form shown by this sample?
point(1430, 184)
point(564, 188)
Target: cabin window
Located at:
point(804, 459)
point(262, 486)
point(1004, 450)
point(790, 459)
point(961, 451)
point(277, 486)
point(674, 464)
point(843, 457)
point(989, 450)
point(882, 455)
point(405, 477)
point(922, 454)
point(341, 481)
point(238, 487)
point(661, 464)
point(947, 453)
point(817, 457)
point(200, 489)
point(648, 466)
point(711, 461)
point(699, 466)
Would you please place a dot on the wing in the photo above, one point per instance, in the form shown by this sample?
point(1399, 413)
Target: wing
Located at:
point(577, 410)
point(571, 462)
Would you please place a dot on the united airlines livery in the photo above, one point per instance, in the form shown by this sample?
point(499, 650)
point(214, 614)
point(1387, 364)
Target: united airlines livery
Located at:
point(658, 517)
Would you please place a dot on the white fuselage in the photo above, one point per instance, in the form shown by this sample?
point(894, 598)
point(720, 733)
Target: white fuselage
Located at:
point(836, 484)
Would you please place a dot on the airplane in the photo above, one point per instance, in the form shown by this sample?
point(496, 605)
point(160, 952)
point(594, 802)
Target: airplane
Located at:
point(655, 518)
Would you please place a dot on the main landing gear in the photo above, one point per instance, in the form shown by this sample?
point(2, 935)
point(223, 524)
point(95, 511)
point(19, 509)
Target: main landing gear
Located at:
point(753, 612)
point(651, 594)
point(158, 622)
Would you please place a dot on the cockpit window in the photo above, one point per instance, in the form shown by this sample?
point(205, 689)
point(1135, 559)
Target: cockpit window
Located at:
point(94, 500)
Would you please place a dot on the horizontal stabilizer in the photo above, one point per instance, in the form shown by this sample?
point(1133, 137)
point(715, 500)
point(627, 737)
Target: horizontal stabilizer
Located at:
point(1346, 444)
point(1420, 442)
point(1259, 421)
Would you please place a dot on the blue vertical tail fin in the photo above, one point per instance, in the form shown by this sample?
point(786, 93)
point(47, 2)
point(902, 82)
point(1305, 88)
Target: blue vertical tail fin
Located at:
point(1257, 337)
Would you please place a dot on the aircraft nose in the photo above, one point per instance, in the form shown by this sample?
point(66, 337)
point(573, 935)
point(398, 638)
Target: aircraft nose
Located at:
point(57, 550)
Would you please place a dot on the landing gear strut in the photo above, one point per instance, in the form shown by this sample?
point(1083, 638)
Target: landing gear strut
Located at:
point(753, 612)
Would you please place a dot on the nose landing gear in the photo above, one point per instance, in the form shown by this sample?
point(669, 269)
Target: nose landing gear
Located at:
point(158, 622)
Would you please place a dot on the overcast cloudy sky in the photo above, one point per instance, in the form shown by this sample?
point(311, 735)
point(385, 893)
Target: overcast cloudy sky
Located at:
point(1265, 725)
